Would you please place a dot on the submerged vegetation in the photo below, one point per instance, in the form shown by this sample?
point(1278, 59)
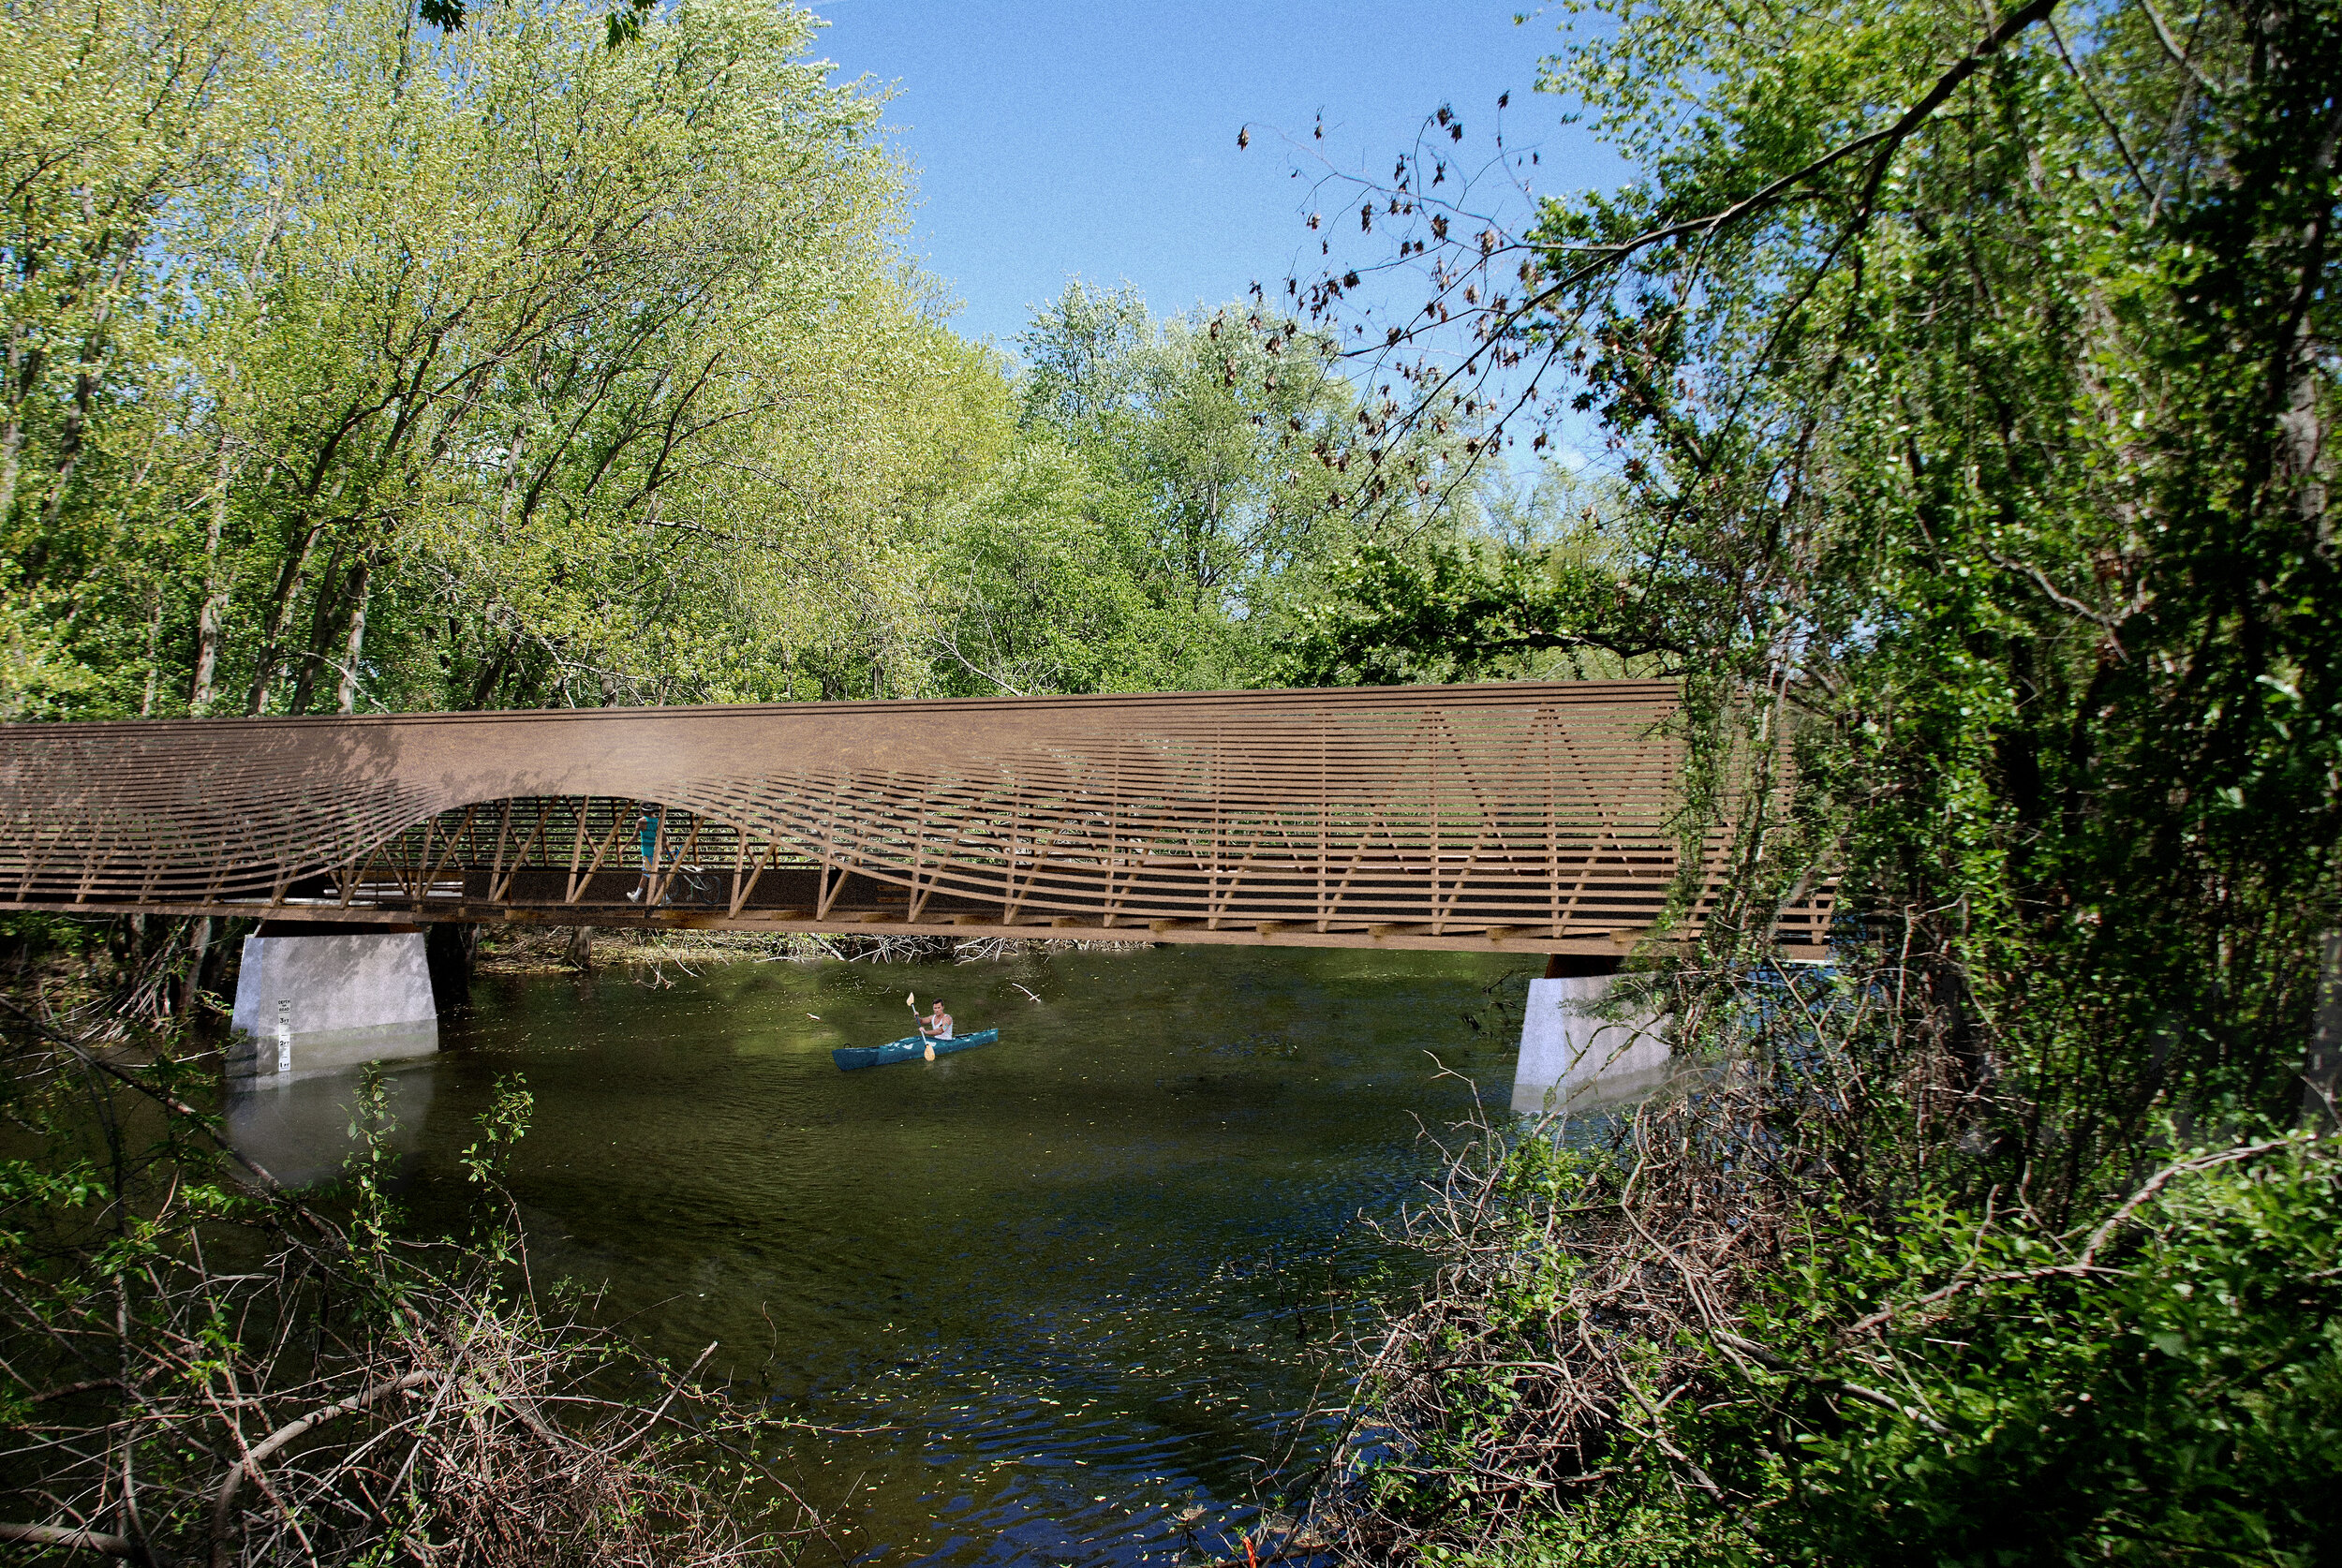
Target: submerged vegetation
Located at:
point(1948, 397)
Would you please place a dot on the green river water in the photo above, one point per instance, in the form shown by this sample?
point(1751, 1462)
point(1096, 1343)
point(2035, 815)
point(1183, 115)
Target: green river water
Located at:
point(1060, 1300)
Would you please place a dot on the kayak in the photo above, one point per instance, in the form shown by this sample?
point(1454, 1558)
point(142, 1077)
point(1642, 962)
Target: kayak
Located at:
point(848, 1057)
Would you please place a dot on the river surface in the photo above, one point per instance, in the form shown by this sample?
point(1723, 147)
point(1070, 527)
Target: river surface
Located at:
point(1064, 1299)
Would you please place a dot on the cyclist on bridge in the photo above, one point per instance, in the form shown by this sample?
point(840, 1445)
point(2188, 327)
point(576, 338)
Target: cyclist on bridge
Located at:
point(650, 825)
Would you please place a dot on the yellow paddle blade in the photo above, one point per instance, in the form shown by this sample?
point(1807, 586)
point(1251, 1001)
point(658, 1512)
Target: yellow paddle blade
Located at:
point(911, 1001)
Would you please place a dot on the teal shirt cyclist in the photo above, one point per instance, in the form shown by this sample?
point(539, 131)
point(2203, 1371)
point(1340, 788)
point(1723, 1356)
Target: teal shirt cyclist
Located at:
point(648, 824)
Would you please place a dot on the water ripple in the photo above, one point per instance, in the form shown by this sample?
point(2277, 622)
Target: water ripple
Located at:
point(1075, 1280)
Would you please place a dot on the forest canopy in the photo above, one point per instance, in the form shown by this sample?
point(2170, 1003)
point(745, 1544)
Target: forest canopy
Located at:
point(359, 366)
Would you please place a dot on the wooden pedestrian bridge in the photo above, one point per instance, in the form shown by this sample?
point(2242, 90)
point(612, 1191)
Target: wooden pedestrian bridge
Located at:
point(1532, 817)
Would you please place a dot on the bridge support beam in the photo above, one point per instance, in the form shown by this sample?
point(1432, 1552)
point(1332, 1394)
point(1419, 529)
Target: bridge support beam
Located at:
point(1573, 1059)
point(310, 1002)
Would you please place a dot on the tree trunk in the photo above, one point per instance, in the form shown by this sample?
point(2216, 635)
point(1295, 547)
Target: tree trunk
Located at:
point(346, 694)
point(280, 611)
point(214, 612)
point(23, 373)
point(197, 945)
point(76, 433)
point(492, 673)
point(154, 638)
point(2322, 1066)
point(2290, 49)
point(322, 623)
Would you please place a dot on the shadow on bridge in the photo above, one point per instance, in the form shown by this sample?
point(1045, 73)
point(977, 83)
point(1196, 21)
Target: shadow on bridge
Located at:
point(1528, 816)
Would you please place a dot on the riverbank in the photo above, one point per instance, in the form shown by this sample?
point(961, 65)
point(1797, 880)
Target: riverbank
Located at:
point(536, 950)
point(1070, 1299)
point(212, 1357)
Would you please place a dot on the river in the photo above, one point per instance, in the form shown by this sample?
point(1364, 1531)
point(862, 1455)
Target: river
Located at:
point(1059, 1300)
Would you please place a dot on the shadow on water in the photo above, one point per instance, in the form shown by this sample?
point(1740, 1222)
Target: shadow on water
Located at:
point(1058, 1300)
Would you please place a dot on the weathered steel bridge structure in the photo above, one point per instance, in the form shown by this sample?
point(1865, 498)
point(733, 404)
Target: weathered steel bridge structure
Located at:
point(1530, 816)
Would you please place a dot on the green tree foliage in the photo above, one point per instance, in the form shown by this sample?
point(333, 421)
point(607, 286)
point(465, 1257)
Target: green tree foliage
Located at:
point(1503, 591)
point(1995, 448)
point(497, 367)
point(1201, 420)
point(2173, 1394)
point(359, 366)
point(1968, 379)
point(1179, 487)
point(1038, 587)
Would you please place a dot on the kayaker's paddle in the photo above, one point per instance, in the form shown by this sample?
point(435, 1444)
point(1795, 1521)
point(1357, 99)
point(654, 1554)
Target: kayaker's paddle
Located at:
point(911, 1000)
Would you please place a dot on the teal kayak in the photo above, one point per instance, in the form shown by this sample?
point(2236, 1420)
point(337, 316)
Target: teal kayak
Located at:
point(848, 1057)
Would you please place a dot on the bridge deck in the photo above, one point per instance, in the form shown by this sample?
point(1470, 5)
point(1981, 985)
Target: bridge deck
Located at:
point(1528, 816)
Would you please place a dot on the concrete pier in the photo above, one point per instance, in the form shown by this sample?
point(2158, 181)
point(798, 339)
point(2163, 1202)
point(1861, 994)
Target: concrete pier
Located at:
point(313, 1003)
point(1572, 1060)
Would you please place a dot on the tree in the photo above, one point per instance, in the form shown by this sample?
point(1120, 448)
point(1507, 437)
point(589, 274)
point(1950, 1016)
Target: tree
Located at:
point(1985, 428)
point(107, 123)
point(1967, 378)
point(1038, 588)
point(495, 368)
point(1223, 440)
point(1204, 420)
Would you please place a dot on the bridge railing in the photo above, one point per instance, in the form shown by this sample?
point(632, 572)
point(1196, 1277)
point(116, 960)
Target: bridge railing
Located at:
point(1536, 815)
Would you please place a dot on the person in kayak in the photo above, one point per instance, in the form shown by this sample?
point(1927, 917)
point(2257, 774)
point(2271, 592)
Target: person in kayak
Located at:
point(935, 1025)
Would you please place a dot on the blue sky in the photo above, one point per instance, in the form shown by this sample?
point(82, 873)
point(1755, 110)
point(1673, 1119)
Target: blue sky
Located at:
point(1055, 138)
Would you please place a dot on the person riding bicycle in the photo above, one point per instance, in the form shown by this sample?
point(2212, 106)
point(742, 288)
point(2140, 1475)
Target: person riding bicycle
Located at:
point(650, 827)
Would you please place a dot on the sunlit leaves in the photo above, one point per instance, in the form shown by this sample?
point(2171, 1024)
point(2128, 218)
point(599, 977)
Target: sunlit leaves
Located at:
point(490, 368)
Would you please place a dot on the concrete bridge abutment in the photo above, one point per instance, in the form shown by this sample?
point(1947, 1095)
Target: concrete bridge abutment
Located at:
point(1576, 1058)
point(315, 998)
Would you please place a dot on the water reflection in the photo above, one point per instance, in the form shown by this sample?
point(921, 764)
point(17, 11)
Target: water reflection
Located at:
point(302, 1130)
point(1063, 1299)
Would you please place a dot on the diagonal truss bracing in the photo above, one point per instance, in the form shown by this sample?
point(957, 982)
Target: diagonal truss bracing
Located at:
point(1532, 815)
